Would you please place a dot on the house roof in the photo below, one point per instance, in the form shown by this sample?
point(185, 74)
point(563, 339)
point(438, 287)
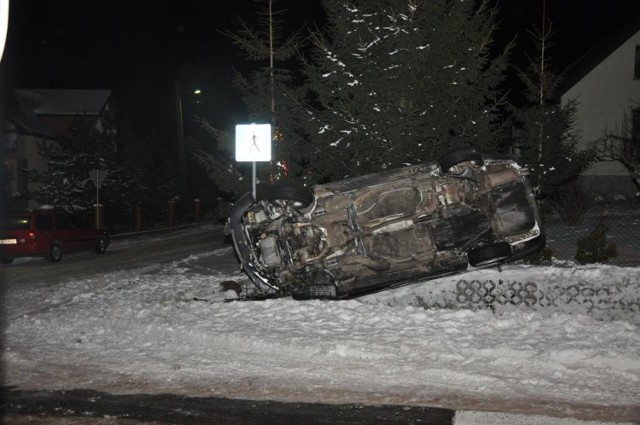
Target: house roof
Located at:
point(597, 54)
point(29, 121)
point(63, 102)
point(29, 104)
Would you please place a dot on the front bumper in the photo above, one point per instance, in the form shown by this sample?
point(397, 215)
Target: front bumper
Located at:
point(243, 245)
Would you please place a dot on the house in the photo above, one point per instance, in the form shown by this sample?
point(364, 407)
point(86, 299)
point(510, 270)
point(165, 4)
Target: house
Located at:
point(605, 82)
point(36, 116)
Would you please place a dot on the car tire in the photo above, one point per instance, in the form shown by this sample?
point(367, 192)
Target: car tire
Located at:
point(488, 255)
point(101, 246)
point(300, 196)
point(7, 260)
point(55, 254)
point(450, 160)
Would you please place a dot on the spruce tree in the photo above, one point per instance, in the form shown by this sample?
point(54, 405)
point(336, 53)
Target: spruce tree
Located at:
point(264, 92)
point(396, 82)
point(66, 184)
point(547, 141)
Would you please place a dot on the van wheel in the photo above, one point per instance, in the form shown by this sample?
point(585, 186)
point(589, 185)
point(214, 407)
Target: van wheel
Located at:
point(7, 260)
point(101, 246)
point(55, 254)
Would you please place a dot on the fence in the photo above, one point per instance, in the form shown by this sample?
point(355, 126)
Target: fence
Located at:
point(601, 300)
point(622, 224)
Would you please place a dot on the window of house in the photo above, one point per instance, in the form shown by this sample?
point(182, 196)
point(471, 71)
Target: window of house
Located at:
point(633, 147)
point(636, 72)
point(635, 125)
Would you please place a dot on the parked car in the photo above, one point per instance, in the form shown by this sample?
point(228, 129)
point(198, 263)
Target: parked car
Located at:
point(47, 232)
point(382, 230)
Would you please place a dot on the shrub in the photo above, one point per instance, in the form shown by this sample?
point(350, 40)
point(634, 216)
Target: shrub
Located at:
point(571, 203)
point(542, 257)
point(594, 248)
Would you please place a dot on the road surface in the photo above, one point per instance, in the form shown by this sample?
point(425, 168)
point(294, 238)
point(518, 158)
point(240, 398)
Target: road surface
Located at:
point(123, 253)
point(92, 407)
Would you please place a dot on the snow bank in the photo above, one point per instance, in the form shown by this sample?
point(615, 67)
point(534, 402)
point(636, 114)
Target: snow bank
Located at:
point(169, 328)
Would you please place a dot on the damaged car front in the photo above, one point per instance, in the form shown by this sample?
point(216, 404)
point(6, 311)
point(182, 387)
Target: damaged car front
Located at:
point(367, 233)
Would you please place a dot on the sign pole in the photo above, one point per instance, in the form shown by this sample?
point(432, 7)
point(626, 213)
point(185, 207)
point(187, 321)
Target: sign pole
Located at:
point(253, 183)
point(98, 179)
point(97, 199)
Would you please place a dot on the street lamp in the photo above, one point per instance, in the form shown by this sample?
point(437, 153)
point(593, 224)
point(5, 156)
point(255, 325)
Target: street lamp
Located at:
point(4, 24)
point(182, 160)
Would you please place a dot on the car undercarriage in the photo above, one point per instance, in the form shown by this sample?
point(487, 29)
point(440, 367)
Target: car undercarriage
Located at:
point(367, 233)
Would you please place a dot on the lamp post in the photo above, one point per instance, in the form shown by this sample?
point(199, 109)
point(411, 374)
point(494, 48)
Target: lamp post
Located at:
point(181, 144)
point(4, 24)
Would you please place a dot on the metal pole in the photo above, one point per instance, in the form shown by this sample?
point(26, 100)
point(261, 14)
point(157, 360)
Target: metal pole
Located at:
point(253, 183)
point(97, 199)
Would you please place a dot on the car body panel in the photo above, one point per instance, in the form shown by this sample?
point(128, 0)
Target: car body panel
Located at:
point(371, 232)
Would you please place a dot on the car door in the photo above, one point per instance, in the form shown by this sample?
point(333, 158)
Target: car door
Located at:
point(44, 231)
point(66, 233)
point(85, 234)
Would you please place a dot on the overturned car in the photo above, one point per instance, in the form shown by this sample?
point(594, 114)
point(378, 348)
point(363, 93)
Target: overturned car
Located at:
point(382, 230)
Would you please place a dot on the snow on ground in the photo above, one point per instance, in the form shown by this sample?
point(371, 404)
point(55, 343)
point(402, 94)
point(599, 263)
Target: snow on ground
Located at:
point(167, 328)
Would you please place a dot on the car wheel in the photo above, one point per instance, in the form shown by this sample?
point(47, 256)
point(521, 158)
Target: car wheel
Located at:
point(300, 196)
point(7, 260)
point(489, 254)
point(101, 246)
point(452, 159)
point(55, 254)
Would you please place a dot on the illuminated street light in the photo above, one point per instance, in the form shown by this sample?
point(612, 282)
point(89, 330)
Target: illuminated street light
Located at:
point(4, 24)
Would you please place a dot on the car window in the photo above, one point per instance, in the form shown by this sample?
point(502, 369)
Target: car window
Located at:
point(22, 222)
point(44, 222)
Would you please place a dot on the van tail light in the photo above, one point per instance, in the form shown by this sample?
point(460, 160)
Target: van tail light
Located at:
point(32, 236)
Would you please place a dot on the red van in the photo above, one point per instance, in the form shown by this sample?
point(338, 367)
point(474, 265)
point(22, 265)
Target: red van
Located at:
point(47, 232)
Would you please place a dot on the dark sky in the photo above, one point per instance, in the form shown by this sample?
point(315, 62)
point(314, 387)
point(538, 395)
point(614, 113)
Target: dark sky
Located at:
point(136, 44)
point(52, 41)
point(577, 24)
point(63, 40)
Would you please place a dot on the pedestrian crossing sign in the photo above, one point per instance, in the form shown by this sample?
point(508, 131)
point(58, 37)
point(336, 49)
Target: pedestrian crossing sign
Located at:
point(253, 142)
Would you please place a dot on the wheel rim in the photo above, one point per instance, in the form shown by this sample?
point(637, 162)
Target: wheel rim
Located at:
point(56, 253)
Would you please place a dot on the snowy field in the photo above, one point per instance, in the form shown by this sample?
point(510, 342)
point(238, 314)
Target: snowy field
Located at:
point(168, 328)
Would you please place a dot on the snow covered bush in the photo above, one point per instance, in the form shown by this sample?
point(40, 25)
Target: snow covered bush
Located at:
point(594, 247)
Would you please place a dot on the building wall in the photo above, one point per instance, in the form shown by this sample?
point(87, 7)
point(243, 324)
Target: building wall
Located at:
point(604, 96)
point(25, 154)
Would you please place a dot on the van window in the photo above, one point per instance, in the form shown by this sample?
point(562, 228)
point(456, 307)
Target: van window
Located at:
point(44, 222)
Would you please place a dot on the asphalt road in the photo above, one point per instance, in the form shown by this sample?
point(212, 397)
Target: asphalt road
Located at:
point(91, 407)
point(125, 252)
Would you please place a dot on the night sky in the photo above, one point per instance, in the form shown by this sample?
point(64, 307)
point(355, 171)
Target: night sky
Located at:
point(140, 45)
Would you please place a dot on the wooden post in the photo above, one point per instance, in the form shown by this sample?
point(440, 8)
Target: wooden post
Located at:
point(198, 205)
point(138, 219)
point(172, 212)
point(99, 216)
